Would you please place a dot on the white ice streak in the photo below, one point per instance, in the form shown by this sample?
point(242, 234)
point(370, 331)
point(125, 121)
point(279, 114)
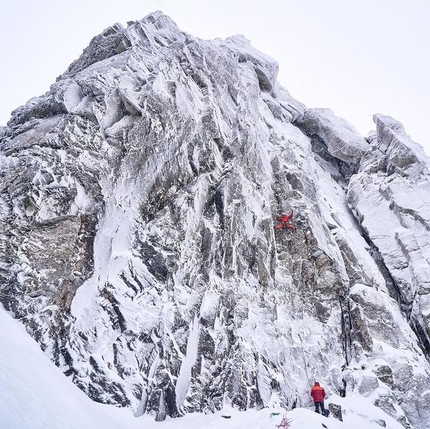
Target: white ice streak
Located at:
point(184, 378)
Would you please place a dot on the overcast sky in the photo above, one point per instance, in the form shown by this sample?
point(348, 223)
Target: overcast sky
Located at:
point(356, 57)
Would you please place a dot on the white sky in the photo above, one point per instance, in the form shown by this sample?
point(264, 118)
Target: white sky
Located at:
point(356, 57)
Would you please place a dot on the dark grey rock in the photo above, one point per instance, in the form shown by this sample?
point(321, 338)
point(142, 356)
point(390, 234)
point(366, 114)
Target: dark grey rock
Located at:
point(336, 411)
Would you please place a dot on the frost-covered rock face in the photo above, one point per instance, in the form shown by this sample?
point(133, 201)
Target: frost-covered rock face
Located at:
point(139, 202)
point(339, 136)
point(395, 178)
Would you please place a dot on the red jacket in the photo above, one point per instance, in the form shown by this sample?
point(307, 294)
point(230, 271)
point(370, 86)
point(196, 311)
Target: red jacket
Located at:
point(317, 393)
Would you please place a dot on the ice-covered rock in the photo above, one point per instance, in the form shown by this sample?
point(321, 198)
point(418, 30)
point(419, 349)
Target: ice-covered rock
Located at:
point(341, 138)
point(404, 155)
point(140, 243)
point(395, 178)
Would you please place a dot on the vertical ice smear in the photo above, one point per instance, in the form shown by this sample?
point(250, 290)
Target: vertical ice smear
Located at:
point(112, 245)
point(184, 377)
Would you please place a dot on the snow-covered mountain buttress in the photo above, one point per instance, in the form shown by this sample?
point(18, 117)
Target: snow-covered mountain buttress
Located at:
point(139, 201)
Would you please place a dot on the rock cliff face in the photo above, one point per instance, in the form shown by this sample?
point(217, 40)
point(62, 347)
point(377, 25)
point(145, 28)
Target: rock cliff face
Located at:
point(139, 200)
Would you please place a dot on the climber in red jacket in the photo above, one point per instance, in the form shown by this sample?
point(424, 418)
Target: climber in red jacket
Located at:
point(318, 395)
point(285, 222)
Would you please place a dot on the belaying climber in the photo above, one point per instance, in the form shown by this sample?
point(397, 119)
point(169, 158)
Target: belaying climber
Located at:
point(318, 395)
point(285, 222)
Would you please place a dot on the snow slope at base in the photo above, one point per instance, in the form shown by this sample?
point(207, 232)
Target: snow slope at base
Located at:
point(362, 415)
point(34, 394)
